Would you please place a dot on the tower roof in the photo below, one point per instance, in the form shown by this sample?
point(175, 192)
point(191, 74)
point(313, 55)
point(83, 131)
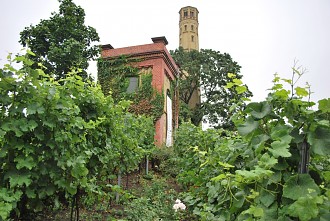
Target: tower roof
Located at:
point(186, 7)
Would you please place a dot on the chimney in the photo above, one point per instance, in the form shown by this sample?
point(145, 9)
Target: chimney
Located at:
point(108, 46)
point(161, 39)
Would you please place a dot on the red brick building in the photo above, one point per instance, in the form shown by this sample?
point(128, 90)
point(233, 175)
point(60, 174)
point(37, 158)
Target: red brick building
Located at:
point(156, 59)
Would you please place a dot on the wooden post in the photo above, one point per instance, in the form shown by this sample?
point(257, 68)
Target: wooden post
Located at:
point(304, 157)
point(147, 165)
point(119, 183)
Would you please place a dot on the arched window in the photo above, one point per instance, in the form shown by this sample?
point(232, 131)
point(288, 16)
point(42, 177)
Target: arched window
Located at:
point(192, 27)
point(191, 14)
point(192, 38)
point(185, 27)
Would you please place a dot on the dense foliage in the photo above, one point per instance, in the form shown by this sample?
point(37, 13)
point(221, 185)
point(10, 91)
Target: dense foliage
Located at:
point(63, 41)
point(113, 76)
point(61, 139)
point(64, 143)
point(207, 70)
point(275, 168)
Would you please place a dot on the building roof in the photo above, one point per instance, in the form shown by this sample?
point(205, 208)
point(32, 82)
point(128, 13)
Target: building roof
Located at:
point(148, 51)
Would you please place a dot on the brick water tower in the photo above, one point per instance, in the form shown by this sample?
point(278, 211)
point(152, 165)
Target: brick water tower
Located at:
point(189, 28)
point(189, 41)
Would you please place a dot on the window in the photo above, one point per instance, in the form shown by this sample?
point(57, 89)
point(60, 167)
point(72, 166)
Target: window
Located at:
point(133, 84)
point(192, 38)
point(192, 27)
point(185, 27)
point(185, 14)
point(191, 14)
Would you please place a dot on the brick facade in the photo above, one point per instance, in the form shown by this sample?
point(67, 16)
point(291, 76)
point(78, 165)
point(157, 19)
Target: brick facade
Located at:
point(156, 58)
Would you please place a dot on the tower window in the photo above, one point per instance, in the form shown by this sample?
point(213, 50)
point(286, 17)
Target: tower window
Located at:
point(192, 38)
point(192, 27)
point(185, 27)
point(191, 14)
point(185, 14)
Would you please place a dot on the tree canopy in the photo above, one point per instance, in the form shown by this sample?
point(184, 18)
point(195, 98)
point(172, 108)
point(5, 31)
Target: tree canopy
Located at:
point(63, 41)
point(208, 70)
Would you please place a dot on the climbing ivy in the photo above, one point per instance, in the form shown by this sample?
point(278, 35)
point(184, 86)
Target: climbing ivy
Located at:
point(113, 77)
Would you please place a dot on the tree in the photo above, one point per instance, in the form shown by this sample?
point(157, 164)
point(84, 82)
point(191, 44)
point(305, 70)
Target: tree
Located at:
point(208, 70)
point(63, 41)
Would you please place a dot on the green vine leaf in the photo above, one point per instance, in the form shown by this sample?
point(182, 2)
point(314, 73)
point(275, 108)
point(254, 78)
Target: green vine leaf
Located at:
point(266, 198)
point(259, 110)
point(305, 208)
point(257, 142)
point(249, 126)
point(255, 211)
point(282, 94)
point(299, 186)
point(267, 161)
point(302, 92)
point(324, 105)
point(319, 140)
point(280, 149)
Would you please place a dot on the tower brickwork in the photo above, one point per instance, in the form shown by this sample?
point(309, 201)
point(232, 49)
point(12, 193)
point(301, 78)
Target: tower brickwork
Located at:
point(188, 24)
point(189, 40)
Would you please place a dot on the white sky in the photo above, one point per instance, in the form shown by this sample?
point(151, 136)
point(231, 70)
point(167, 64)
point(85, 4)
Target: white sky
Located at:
point(263, 36)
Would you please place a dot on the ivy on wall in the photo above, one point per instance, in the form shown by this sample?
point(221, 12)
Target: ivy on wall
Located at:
point(114, 76)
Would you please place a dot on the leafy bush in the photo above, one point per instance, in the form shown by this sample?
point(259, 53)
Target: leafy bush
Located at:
point(60, 139)
point(273, 168)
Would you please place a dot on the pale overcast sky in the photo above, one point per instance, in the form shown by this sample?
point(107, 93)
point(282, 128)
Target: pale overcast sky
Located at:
point(263, 36)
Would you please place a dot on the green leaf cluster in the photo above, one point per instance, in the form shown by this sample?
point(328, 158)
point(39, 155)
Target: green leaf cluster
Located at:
point(259, 171)
point(113, 77)
point(209, 73)
point(61, 138)
point(62, 42)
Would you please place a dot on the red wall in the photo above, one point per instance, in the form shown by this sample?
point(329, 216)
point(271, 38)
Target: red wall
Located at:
point(156, 56)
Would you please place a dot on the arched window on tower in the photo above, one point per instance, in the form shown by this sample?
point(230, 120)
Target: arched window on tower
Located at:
point(192, 38)
point(192, 27)
point(185, 14)
point(185, 27)
point(192, 14)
